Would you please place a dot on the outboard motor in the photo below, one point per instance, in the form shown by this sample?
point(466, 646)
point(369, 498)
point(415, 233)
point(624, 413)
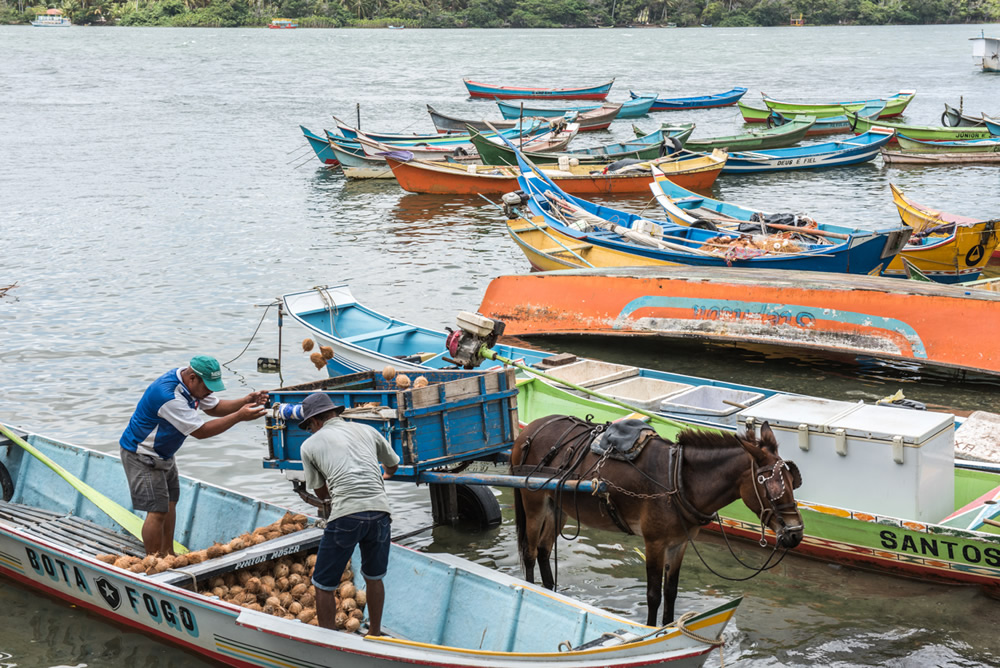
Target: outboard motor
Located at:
point(474, 332)
point(511, 201)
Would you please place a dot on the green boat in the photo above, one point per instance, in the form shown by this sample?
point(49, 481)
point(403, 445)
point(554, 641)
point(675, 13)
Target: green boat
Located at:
point(908, 144)
point(925, 132)
point(894, 106)
point(646, 147)
point(779, 136)
point(944, 550)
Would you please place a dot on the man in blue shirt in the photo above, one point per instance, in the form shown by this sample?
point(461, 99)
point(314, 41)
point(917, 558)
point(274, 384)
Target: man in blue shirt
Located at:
point(165, 416)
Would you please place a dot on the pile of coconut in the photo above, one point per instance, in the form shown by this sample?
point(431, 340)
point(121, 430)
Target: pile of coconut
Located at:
point(402, 380)
point(283, 588)
point(156, 564)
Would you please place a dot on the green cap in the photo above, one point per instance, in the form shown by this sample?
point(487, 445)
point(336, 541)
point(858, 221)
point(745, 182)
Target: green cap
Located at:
point(208, 370)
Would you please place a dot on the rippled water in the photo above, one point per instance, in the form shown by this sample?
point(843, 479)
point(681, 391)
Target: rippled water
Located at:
point(155, 196)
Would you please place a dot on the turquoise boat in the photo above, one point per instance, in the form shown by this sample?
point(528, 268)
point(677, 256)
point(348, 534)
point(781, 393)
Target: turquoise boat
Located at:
point(479, 89)
point(634, 108)
point(320, 146)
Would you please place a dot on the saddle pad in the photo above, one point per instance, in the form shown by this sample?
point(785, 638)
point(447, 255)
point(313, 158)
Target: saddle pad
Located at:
point(622, 440)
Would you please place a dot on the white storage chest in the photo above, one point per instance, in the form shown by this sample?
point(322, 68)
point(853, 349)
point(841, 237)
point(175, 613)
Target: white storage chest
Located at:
point(878, 459)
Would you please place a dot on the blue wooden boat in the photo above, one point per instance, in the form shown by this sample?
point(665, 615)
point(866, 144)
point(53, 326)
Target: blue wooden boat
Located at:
point(811, 156)
point(634, 108)
point(364, 339)
point(51, 538)
point(992, 125)
point(320, 146)
point(478, 89)
point(696, 102)
point(699, 242)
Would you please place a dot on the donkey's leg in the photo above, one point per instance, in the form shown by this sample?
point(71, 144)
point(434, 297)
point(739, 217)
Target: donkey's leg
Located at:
point(655, 557)
point(532, 542)
point(675, 556)
point(551, 523)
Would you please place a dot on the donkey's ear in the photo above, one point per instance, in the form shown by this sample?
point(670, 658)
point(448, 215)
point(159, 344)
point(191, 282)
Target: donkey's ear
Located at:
point(748, 441)
point(767, 440)
point(796, 476)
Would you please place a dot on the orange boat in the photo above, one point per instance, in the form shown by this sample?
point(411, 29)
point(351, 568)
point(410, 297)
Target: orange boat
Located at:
point(888, 318)
point(692, 171)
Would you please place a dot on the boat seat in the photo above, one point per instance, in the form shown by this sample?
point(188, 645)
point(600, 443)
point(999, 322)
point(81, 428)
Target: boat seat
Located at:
point(382, 333)
point(689, 202)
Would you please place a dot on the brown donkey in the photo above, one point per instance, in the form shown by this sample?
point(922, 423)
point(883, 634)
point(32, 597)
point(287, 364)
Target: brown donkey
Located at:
point(665, 495)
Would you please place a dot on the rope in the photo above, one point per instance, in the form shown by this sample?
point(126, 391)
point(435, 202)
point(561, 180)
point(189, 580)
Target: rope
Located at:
point(252, 337)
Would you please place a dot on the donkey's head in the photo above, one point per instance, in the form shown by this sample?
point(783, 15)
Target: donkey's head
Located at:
point(767, 488)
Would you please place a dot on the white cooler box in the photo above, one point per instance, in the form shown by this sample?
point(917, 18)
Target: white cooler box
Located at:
point(878, 459)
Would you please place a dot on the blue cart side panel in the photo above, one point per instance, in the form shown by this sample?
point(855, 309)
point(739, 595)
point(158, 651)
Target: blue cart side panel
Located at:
point(458, 416)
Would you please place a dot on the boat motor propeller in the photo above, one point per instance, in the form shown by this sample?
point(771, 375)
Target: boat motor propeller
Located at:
point(474, 333)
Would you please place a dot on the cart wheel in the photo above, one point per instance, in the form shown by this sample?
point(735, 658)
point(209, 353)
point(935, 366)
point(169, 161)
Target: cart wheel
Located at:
point(477, 504)
point(6, 484)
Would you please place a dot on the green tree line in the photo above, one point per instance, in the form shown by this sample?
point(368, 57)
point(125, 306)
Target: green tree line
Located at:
point(507, 13)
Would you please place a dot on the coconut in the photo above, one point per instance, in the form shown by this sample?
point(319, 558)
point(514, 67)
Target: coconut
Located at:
point(389, 373)
point(137, 567)
point(257, 539)
point(121, 562)
point(229, 579)
point(267, 581)
point(286, 599)
point(298, 569)
point(169, 560)
point(307, 615)
point(352, 625)
point(346, 590)
point(298, 518)
point(273, 601)
point(307, 344)
point(149, 560)
point(421, 381)
point(307, 600)
point(260, 531)
point(348, 605)
point(226, 548)
point(294, 580)
point(271, 535)
point(340, 620)
point(217, 581)
point(181, 560)
point(236, 590)
point(314, 621)
point(402, 381)
point(290, 528)
point(214, 551)
point(281, 571)
point(294, 608)
point(237, 543)
point(357, 614)
point(268, 609)
point(311, 561)
point(161, 566)
point(219, 591)
point(361, 598)
point(327, 352)
point(255, 606)
point(107, 558)
point(299, 590)
point(196, 557)
point(347, 575)
point(252, 585)
point(318, 360)
point(282, 584)
point(243, 577)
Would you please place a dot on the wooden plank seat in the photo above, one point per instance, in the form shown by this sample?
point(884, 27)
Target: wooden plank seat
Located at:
point(382, 333)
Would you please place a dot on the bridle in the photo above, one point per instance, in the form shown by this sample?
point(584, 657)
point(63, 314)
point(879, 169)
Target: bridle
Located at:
point(776, 475)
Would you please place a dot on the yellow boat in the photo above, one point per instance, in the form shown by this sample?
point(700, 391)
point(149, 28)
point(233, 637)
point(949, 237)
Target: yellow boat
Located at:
point(945, 247)
point(548, 249)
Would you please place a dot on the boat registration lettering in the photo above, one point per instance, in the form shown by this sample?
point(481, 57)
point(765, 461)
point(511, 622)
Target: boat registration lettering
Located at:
point(162, 611)
point(776, 317)
point(57, 570)
point(939, 549)
point(268, 556)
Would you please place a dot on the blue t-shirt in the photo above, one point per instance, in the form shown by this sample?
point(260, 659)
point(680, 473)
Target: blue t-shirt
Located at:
point(165, 416)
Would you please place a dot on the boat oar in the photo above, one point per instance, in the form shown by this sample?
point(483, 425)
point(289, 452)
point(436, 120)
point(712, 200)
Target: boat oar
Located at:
point(128, 520)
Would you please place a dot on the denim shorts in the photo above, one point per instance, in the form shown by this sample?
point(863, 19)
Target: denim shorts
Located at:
point(152, 481)
point(369, 529)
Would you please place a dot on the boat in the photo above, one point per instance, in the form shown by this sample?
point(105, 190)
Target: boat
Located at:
point(56, 543)
point(824, 126)
point(895, 105)
point(891, 157)
point(693, 170)
point(778, 136)
point(392, 27)
point(826, 313)
point(926, 132)
point(992, 124)
point(320, 146)
point(589, 121)
point(52, 18)
point(986, 52)
point(911, 145)
point(531, 128)
point(364, 339)
point(944, 247)
point(646, 147)
point(556, 140)
point(283, 24)
point(921, 152)
point(825, 248)
point(811, 156)
point(888, 497)
point(952, 117)
point(726, 99)
point(361, 166)
point(634, 108)
point(477, 89)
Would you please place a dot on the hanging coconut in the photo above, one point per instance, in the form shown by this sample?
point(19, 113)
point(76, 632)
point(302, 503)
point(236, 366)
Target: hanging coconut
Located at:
point(327, 352)
point(307, 344)
point(318, 360)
